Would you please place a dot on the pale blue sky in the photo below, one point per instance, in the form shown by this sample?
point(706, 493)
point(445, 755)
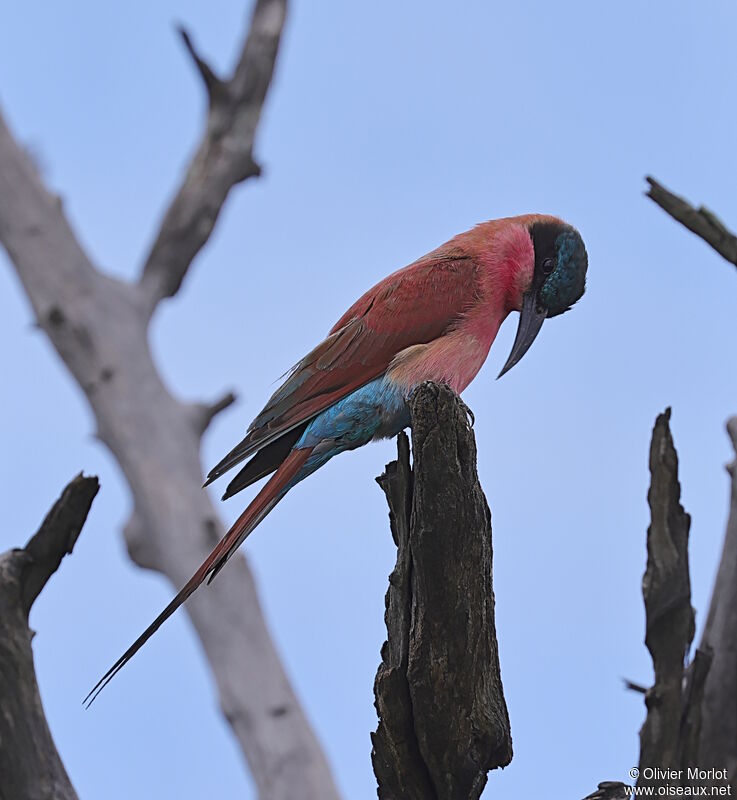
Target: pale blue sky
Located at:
point(390, 128)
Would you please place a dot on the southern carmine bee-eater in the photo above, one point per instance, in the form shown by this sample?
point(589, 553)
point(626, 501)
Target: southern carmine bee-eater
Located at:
point(434, 320)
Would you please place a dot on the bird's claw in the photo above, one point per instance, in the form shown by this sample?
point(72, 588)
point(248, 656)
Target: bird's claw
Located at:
point(468, 411)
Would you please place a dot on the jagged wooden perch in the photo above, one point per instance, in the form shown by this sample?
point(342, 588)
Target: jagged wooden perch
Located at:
point(443, 721)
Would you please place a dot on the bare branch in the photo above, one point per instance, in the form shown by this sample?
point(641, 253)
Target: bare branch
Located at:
point(57, 536)
point(223, 158)
point(29, 762)
point(443, 721)
point(700, 221)
point(213, 84)
point(33, 226)
point(205, 413)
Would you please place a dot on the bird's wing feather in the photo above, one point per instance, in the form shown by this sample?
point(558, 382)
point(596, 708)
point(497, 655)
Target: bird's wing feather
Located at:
point(265, 461)
point(413, 306)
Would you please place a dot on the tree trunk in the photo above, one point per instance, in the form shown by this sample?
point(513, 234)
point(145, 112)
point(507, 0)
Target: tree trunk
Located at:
point(99, 327)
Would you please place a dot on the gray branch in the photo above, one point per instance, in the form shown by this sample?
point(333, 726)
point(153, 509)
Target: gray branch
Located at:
point(224, 157)
point(205, 413)
point(701, 221)
point(213, 84)
point(443, 721)
point(30, 765)
point(98, 325)
point(719, 719)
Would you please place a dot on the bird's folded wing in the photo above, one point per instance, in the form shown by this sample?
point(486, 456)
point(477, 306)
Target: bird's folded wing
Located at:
point(413, 306)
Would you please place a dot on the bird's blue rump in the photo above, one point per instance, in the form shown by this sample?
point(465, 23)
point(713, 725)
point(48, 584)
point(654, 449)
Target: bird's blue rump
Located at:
point(375, 411)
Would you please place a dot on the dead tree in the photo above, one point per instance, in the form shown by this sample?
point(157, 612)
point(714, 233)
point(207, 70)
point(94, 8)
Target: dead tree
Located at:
point(99, 326)
point(669, 738)
point(691, 713)
point(701, 221)
point(443, 721)
point(718, 738)
point(30, 767)
point(719, 725)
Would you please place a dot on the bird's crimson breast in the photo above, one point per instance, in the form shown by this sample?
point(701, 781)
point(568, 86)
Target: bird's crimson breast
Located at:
point(454, 359)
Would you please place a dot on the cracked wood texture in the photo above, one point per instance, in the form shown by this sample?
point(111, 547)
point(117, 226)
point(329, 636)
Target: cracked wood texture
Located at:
point(443, 721)
point(666, 590)
point(670, 736)
point(30, 766)
point(99, 327)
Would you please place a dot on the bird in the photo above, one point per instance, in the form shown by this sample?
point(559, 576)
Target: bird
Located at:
point(436, 319)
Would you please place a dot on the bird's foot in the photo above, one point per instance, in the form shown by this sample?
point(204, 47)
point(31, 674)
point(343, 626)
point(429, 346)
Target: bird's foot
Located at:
point(468, 411)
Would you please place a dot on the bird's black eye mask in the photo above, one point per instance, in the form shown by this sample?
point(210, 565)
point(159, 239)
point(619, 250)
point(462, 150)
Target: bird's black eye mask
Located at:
point(561, 262)
point(558, 280)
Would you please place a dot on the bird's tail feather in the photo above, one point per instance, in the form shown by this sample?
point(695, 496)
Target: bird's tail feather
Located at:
point(260, 506)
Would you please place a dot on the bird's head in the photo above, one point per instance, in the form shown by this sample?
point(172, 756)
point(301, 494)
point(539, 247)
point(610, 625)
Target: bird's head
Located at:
point(556, 281)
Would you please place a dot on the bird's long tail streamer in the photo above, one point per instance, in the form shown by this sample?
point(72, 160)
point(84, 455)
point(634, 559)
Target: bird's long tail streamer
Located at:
point(261, 505)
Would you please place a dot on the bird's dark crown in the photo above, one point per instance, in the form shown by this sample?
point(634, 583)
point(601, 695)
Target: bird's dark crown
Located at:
point(561, 262)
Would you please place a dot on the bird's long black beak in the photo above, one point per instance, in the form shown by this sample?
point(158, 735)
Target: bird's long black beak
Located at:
point(530, 321)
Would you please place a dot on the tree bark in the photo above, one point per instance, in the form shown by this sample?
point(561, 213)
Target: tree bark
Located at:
point(30, 766)
point(718, 724)
point(443, 721)
point(701, 221)
point(99, 327)
point(669, 736)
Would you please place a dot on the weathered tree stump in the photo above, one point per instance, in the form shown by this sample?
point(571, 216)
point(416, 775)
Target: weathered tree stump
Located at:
point(443, 721)
point(669, 738)
point(30, 766)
